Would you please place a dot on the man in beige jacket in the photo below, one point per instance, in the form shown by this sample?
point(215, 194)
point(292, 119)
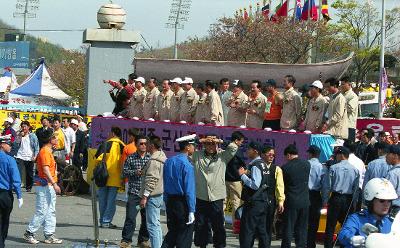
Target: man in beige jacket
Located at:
point(151, 190)
point(210, 167)
point(237, 105)
point(135, 108)
point(291, 106)
point(351, 106)
point(214, 110)
point(176, 84)
point(150, 103)
point(336, 115)
point(316, 108)
point(188, 102)
point(164, 101)
point(201, 104)
point(255, 106)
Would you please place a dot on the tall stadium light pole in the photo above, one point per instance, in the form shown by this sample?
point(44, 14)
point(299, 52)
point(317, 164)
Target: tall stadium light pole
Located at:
point(26, 9)
point(382, 60)
point(178, 14)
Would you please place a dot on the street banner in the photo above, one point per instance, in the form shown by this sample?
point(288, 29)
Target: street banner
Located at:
point(169, 132)
point(388, 125)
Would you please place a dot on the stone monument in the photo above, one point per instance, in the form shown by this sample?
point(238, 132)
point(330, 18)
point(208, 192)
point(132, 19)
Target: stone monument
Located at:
point(110, 56)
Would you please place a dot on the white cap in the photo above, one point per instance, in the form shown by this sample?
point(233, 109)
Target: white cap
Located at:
point(235, 82)
point(74, 121)
point(9, 120)
point(187, 80)
point(338, 142)
point(140, 79)
point(317, 84)
point(379, 188)
point(177, 80)
point(188, 138)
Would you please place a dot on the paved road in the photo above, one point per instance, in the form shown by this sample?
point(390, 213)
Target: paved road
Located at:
point(74, 223)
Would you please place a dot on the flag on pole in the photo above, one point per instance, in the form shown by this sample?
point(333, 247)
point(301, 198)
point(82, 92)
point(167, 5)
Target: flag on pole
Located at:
point(245, 14)
point(298, 9)
point(307, 13)
point(251, 11)
point(281, 12)
point(265, 11)
point(324, 10)
point(384, 84)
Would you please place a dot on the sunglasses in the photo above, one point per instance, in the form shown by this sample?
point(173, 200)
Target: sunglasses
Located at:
point(143, 143)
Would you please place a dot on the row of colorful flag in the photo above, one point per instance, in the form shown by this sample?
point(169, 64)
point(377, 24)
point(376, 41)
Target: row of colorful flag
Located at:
point(302, 12)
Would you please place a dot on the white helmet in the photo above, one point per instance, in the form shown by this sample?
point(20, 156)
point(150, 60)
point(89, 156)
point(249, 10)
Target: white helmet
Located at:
point(379, 188)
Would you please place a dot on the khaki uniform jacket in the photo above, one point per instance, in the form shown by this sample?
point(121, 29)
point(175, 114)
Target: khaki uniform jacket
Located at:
point(200, 109)
point(150, 103)
point(337, 117)
point(352, 107)
point(175, 105)
point(224, 97)
point(210, 173)
point(135, 108)
point(164, 105)
point(237, 110)
point(291, 110)
point(152, 179)
point(315, 114)
point(214, 111)
point(188, 106)
point(258, 104)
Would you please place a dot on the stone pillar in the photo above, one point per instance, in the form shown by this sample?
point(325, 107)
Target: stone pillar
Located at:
point(110, 56)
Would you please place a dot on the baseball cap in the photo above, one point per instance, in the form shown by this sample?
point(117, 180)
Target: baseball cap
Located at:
point(317, 84)
point(177, 80)
point(342, 150)
point(237, 83)
point(140, 79)
point(256, 146)
point(187, 80)
point(74, 121)
point(5, 139)
point(313, 149)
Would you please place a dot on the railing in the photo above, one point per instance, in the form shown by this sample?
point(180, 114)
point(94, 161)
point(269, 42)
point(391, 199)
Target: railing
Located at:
point(44, 109)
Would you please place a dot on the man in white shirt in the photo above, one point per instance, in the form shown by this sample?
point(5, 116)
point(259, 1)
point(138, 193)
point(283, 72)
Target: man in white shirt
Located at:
point(70, 137)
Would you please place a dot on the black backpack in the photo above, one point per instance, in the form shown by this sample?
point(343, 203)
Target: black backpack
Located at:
point(100, 172)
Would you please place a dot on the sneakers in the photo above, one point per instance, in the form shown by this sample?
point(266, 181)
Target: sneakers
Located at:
point(52, 240)
point(30, 238)
point(125, 244)
point(108, 225)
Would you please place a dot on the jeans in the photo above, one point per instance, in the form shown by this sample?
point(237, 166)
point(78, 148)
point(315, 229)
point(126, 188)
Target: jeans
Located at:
point(153, 207)
point(45, 213)
point(130, 220)
point(107, 196)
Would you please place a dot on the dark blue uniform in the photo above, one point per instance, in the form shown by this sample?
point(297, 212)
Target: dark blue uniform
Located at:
point(352, 226)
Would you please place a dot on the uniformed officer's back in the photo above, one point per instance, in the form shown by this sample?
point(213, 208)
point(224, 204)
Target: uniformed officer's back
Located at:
point(343, 177)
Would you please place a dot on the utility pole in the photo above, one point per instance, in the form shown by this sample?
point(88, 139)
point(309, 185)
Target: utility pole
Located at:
point(368, 22)
point(382, 59)
point(178, 14)
point(26, 9)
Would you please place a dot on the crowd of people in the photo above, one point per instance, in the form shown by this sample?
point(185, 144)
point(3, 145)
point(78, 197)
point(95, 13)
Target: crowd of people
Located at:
point(330, 107)
point(37, 158)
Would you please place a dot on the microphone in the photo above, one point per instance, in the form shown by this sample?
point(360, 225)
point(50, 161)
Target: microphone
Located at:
point(369, 228)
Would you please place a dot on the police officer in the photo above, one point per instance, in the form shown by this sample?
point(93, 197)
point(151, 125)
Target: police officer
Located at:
point(378, 168)
point(10, 180)
point(343, 184)
point(378, 194)
point(317, 186)
point(393, 159)
point(179, 195)
point(255, 196)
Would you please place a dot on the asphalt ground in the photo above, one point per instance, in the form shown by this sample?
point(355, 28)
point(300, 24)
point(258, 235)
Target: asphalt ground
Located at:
point(75, 224)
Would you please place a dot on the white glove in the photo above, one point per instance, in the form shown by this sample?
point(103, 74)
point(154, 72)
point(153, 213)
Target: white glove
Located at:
point(191, 219)
point(357, 241)
point(20, 202)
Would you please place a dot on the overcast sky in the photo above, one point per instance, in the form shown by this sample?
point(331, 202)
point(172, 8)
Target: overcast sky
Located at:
point(148, 17)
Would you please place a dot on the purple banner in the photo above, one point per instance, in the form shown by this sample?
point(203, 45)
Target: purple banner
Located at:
point(169, 132)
